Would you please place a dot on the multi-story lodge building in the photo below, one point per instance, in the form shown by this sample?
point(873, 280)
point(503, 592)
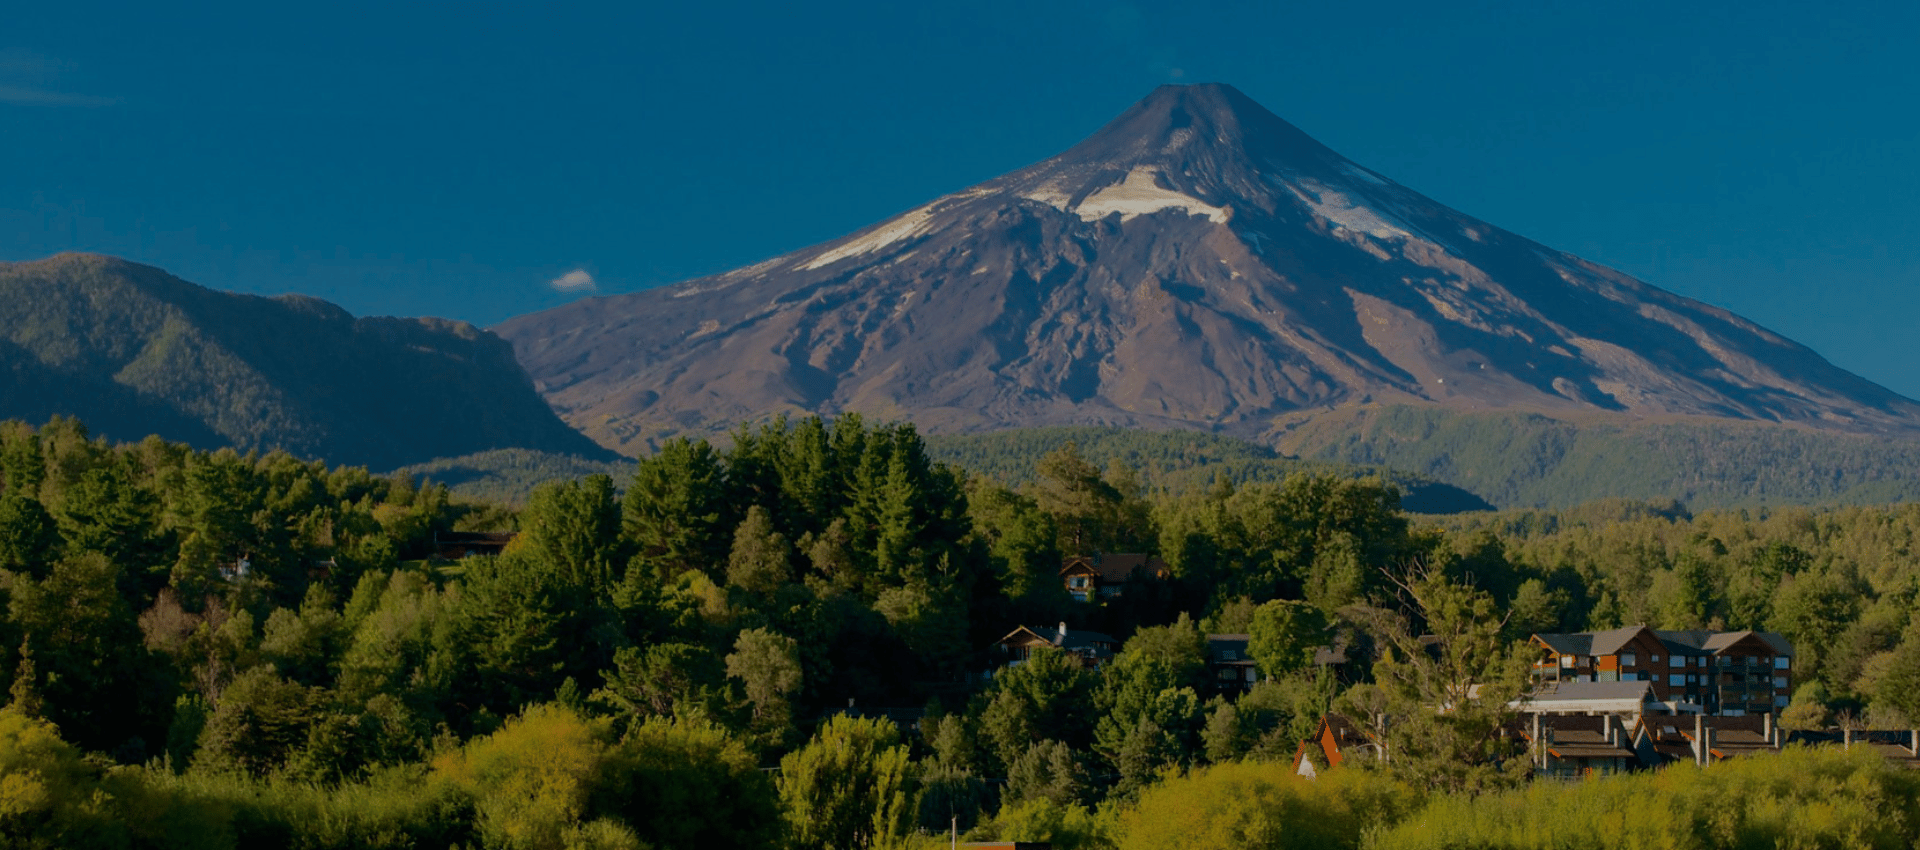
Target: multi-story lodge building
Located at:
point(1697, 671)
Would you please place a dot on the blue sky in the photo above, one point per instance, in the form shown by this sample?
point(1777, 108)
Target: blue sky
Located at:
point(455, 159)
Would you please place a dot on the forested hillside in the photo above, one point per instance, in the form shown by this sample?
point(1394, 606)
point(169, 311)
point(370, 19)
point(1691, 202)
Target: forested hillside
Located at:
point(217, 650)
point(136, 351)
point(509, 476)
point(1174, 461)
point(1520, 460)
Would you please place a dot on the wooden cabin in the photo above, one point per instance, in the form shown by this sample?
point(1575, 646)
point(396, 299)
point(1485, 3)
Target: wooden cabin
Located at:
point(1101, 576)
point(1092, 648)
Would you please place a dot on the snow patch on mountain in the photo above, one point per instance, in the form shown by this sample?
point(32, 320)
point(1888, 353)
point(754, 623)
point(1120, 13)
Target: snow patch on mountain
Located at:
point(1339, 207)
point(1052, 194)
point(1140, 194)
point(906, 226)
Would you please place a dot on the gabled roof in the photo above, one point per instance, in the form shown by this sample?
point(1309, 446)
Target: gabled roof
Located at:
point(1611, 641)
point(1567, 644)
point(1068, 639)
point(1608, 642)
point(1703, 642)
point(1114, 567)
point(1677, 642)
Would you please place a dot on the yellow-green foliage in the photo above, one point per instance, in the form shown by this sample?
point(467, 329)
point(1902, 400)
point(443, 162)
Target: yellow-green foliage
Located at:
point(393, 809)
point(688, 784)
point(848, 788)
point(1066, 827)
point(532, 780)
point(52, 798)
point(47, 794)
point(1802, 798)
point(1252, 805)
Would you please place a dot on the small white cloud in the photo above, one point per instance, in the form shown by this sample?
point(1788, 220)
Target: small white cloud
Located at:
point(574, 281)
point(30, 79)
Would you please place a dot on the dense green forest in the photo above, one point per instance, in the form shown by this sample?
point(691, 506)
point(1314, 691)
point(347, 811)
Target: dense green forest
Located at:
point(1529, 460)
point(1175, 462)
point(1164, 461)
point(509, 476)
point(1442, 462)
point(224, 650)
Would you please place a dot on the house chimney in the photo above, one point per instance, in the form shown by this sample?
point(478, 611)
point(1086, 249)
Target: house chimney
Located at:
point(1913, 738)
point(1063, 631)
point(1767, 729)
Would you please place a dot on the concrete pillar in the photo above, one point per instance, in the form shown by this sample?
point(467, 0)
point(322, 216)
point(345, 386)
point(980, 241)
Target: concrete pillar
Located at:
point(1699, 739)
point(1539, 744)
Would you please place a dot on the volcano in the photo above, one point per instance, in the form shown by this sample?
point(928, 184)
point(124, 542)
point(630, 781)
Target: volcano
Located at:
point(1196, 263)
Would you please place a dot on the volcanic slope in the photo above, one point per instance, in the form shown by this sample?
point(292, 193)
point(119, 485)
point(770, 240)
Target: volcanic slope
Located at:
point(1198, 262)
point(131, 350)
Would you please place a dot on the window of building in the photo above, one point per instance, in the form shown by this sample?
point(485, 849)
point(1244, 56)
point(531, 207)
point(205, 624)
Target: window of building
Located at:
point(1779, 681)
point(1229, 674)
point(1229, 655)
point(1780, 662)
point(1628, 659)
point(1656, 659)
point(1779, 702)
point(1566, 661)
point(1676, 680)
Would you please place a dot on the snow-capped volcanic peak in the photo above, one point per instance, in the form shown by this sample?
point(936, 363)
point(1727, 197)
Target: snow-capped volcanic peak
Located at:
point(1196, 262)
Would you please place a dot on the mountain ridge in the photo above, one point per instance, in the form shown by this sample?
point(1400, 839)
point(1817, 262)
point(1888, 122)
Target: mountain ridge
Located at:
point(132, 350)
